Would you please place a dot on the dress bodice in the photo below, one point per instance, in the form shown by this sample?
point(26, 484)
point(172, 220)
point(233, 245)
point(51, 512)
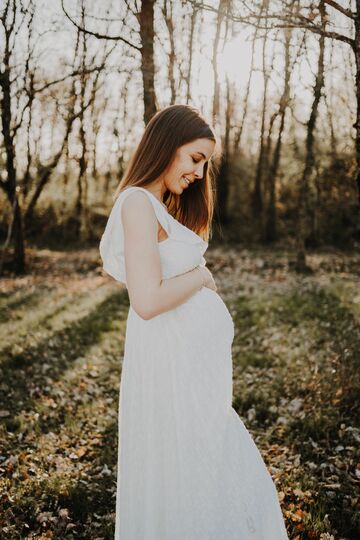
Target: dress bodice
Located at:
point(180, 252)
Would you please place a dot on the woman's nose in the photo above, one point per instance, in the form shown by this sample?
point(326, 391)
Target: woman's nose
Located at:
point(199, 172)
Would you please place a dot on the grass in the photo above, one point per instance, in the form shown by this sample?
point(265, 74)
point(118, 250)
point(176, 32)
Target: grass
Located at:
point(297, 383)
point(295, 380)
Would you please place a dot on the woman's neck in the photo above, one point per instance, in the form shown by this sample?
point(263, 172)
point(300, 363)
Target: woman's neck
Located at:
point(158, 191)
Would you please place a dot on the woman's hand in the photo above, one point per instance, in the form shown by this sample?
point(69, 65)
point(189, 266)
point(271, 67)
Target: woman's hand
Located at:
point(208, 278)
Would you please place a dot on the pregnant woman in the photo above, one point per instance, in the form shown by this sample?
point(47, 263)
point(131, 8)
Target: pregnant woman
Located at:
point(188, 469)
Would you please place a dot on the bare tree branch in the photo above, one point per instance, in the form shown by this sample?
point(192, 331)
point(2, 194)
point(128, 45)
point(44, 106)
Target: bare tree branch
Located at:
point(315, 30)
point(288, 20)
point(48, 85)
point(96, 34)
point(341, 9)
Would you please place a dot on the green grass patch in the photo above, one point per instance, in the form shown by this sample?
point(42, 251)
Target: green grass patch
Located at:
point(296, 383)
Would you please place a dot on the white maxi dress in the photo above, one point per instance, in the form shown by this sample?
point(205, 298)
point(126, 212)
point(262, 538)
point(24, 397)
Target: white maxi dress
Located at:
point(188, 469)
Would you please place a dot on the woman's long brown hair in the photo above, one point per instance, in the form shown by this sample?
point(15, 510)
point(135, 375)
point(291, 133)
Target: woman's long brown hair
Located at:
point(169, 129)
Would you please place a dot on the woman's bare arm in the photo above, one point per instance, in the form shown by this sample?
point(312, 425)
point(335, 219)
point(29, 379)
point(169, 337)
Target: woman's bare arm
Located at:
point(149, 294)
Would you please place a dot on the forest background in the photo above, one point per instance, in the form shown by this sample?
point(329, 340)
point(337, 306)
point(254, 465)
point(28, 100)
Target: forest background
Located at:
point(280, 82)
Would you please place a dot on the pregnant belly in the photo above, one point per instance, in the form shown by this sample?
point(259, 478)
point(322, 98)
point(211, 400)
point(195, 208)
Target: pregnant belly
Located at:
point(207, 316)
point(202, 319)
point(204, 315)
point(194, 342)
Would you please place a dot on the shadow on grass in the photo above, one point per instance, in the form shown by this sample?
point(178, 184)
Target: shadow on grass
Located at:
point(100, 498)
point(332, 326)
point(23, 375)
point(92, 505)
point(251, 319)
point(28, 300)
point(328, 391)
point(334, 401)
point(88, 499)
point(336, 326)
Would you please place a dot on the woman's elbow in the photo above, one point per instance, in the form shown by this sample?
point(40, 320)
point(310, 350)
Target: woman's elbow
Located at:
point(145, 315)
point(145, 310)
point(144, 301)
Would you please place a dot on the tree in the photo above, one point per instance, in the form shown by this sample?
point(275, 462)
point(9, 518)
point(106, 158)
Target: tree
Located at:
point(271, 217)
point(307, 17)
point(23, 190)
point(145, 17)
point(257, 196)
point(310, 158)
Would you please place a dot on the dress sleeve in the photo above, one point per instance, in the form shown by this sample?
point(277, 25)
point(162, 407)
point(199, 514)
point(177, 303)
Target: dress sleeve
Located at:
point(112, 241)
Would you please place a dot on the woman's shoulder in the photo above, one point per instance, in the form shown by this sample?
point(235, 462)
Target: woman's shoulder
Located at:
point(135, 200)
point(140, 206)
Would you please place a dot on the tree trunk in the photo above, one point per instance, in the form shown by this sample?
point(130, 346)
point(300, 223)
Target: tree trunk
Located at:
point(216, 98)
point(19, 248)
point(301, 231)
point(223, 178)
point(168, 16)
point(10, 184)
point(83, 214)
point(239, 131)
point(146, 20)
point(191, 42)
point(257, 197)
point(329, 110)
point(357, 123)
point(271, 218)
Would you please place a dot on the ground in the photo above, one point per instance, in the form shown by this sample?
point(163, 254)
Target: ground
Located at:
point(296, 387)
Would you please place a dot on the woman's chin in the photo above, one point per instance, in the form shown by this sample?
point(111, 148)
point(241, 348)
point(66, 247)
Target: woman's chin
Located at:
point(178, 188)
point(184, 186)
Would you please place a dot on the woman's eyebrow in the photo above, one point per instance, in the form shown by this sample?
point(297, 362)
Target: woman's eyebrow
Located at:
point(201, 154)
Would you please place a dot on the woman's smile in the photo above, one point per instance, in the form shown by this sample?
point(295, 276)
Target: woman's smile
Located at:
point(186, 180)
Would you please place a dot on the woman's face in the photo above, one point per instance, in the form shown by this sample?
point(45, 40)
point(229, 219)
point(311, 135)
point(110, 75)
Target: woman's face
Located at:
point(188, 165)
